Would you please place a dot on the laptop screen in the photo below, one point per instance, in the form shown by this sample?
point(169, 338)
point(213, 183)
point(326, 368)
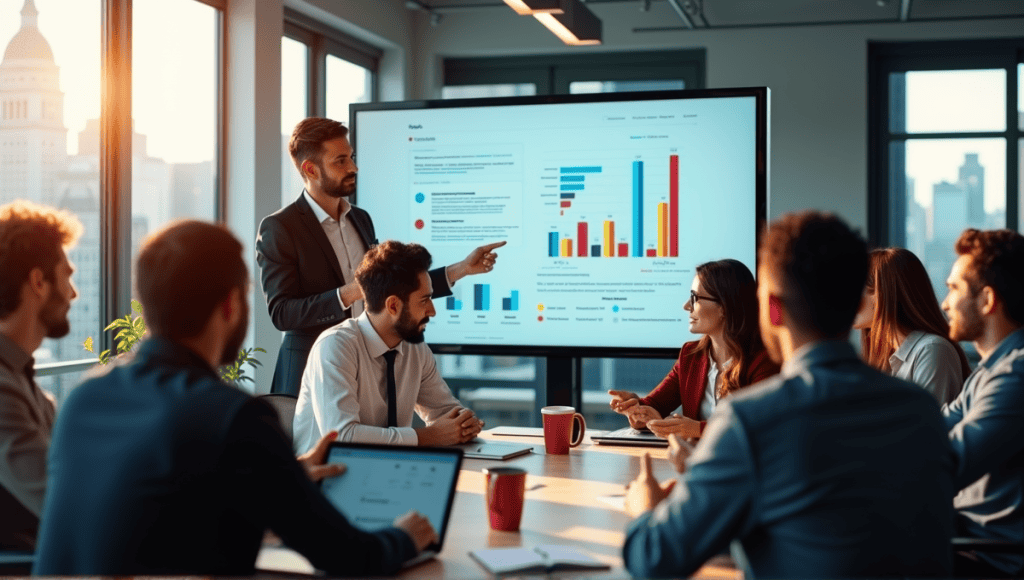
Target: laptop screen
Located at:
point(383, 482)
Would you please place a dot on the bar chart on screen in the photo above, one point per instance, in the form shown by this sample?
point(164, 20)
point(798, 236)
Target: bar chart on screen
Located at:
point(619, 208)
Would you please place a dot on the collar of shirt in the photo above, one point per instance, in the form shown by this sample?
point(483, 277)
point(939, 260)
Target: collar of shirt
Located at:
point(13, 357)
point(375, 346)
point(906, 347)
point(321, 215)
point(1013, 341)
point(818, 353)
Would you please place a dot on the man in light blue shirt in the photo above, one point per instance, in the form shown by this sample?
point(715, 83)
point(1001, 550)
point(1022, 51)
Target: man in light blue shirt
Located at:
point(986, 422)
point(830, 469)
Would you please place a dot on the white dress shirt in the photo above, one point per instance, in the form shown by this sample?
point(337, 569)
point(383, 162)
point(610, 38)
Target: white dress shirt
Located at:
point(348, 245)
point(344, 388)
point(930, 361)
point(710, 400)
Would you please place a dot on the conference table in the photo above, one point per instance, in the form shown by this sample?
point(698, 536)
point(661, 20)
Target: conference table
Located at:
point(572, 500)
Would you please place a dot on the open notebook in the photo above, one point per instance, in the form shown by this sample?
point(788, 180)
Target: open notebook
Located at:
point(542, 559)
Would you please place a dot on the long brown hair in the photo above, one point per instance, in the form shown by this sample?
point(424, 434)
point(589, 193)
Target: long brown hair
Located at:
point(904, 302)
point(732, 284)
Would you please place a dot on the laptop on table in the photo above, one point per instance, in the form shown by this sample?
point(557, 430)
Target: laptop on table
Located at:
point(382, 482)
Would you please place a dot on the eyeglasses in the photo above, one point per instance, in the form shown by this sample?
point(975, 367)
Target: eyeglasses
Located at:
point(695, 298)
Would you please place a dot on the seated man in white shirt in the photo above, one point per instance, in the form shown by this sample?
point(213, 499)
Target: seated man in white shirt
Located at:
point(345, 386)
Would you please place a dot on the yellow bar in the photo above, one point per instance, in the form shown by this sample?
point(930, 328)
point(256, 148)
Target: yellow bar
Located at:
point(662, 229)
point(609, 239)
point(566, 248)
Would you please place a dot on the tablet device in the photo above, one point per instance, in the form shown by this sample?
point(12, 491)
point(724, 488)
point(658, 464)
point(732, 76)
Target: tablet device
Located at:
point(482, 449)
point(382, 482)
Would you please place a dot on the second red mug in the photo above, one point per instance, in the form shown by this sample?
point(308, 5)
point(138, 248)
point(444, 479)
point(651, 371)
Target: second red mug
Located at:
point(558, 423)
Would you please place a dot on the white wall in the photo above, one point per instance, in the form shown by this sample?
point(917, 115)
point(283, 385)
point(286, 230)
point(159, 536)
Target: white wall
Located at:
point(817, 75)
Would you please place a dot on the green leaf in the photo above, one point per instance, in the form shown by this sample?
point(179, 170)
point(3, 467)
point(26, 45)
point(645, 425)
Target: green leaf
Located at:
point(117, 323)
point(88, 344)
point(137, 306)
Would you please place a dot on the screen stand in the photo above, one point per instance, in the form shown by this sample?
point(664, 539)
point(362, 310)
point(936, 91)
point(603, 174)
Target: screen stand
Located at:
point(565, 381)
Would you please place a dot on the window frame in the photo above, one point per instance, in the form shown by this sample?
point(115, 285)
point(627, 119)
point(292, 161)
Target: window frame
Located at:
point(887, 196)
point(322, 40)
point(552, 74)
point(115, 179)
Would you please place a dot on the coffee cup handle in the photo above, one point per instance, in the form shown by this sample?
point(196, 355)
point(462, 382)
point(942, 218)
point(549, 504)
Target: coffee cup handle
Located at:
point(583, 429)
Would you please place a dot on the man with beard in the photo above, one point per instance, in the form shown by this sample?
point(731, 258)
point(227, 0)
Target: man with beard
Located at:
point(985, 305)
point(35, 296)
point(308, 250)
point(830, 469)
point(158, 467)
point(367, 375)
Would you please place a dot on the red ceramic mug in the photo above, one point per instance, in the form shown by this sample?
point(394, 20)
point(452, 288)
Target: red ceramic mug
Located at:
point(506, 487)
point(558, 422)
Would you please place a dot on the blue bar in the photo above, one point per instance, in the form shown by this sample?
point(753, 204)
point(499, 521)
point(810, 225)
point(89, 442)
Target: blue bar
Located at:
point(638, 209)
point(478, 296)
point(506, 304)
point(458, 304)
point(572, 178)
point(451, 303)
point(586, 169)
point(572, 187)
point(568, 196)
point(553, 244)
point(514, 300)
point(485, 296)
point(595, 251)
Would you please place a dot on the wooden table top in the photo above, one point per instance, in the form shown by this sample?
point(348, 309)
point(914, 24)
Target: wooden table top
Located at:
point(572, 500)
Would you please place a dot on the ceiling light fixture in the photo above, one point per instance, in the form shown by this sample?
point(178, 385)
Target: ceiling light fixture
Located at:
point(576, 25)
point(529, 7)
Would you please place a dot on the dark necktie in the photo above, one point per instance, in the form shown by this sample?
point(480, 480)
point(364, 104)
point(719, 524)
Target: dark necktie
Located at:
point(389, 356)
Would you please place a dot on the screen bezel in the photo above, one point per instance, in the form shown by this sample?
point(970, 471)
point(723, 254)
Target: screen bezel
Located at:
point(458, 453)
point(761, 97)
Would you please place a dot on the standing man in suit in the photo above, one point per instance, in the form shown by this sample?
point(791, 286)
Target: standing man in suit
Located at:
point(35, 296)
point(308, 251)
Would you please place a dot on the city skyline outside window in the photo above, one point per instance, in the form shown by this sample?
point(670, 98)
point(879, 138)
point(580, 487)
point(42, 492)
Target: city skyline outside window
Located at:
point(950, 183)
point(49, 89)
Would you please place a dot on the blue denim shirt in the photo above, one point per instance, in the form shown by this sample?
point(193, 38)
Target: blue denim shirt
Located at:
point(829, 469)
point(986, 428)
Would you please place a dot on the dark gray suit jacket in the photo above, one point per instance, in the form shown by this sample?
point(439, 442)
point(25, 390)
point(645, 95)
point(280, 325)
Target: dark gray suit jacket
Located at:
point(301, 276)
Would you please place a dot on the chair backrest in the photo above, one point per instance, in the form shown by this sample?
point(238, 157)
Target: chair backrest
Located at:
point(285, 407)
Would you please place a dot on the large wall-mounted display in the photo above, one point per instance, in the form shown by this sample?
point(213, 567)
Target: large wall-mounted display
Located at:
point(607, 202)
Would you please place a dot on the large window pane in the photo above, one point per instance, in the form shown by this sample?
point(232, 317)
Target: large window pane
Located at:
point(174, 106)
point(294, 108)
point(347, 83)
point(949, 101)
point(483, 91)
point(49, 106)
point(583, 87)
point(951, 184)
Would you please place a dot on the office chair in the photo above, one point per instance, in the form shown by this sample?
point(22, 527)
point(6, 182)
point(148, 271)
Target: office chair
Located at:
point(285, 406)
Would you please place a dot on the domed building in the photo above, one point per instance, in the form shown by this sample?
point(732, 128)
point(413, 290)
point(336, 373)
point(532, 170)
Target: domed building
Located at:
point(33, 139)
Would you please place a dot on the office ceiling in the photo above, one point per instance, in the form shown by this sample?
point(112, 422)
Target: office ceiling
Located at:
point(712, 14)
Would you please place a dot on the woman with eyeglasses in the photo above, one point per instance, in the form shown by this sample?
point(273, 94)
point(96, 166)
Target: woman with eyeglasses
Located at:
point(903, 330)
point(728, 357)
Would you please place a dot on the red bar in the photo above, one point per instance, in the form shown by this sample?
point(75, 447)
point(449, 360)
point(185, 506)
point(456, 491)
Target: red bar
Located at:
point(673, 206)
point(652, 253)
point(581, 239)
point(566, 204)
point(623, 250)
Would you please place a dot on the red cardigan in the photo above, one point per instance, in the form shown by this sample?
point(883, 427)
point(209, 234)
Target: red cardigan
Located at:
point(685, 383)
